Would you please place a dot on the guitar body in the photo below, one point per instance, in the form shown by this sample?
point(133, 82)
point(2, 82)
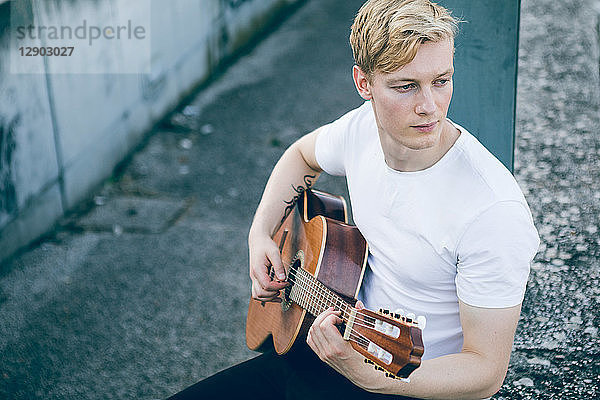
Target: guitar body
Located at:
point(315, 236)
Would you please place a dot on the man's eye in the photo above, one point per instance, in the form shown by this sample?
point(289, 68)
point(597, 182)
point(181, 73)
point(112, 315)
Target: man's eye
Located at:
point(405, 88)
point(442, 82)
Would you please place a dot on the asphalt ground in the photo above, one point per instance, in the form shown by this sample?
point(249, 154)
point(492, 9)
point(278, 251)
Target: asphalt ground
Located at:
point(144, 290)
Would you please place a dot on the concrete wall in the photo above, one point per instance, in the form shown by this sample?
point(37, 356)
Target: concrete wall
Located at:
point(61, 134)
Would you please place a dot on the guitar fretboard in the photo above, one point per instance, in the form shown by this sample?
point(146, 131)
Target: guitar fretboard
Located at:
point(315, 297)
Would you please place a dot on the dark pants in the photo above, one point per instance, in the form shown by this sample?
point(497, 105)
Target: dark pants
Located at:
point(298, 375)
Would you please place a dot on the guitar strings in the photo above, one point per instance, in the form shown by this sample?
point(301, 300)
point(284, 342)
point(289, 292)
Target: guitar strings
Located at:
point(324, 295)
point(324, 299)
point(308, 296)
point(327, 294)
point(300, 280)
point(354, 336)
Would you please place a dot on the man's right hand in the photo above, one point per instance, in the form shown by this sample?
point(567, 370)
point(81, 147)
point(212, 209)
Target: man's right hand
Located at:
point(264, 255)
point(296, 168)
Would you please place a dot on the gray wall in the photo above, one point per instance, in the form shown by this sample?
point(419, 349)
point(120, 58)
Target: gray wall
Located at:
point(62, 134)
point(485, 82)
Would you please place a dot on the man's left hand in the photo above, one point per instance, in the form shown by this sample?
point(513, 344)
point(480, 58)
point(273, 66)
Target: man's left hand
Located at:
point(325, 340)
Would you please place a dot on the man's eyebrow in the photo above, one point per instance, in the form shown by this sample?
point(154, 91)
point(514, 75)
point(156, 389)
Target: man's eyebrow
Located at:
point(393, 81)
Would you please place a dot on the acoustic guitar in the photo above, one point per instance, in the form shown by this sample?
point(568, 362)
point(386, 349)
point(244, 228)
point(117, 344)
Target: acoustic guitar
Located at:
point(325, 261)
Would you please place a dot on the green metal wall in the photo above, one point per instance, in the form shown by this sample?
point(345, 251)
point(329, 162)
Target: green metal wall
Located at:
point(485, 81)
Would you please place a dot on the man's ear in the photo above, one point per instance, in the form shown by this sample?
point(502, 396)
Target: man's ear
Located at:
point(362, 83)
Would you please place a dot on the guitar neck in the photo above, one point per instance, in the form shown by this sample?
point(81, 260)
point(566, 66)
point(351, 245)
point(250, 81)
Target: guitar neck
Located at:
point(314, 297)
point(388, 343)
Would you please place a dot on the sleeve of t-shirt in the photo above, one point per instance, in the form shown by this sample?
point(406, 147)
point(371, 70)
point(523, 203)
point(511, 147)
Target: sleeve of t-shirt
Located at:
point(494, 256)
point(332, 144)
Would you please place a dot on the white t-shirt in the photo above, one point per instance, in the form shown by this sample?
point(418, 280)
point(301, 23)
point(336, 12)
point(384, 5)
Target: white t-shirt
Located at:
point(460, 229)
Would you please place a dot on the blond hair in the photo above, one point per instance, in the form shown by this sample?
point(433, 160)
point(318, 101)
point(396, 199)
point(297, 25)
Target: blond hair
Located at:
point(386, 34)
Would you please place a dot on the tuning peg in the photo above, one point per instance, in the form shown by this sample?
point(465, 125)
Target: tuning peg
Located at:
point(386, 312)
point(421, 321)
point(367, 361)
point(372, 348)
point(400, 311)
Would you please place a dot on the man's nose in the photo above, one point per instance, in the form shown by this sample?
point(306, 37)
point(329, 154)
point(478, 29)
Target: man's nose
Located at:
point(425, 103)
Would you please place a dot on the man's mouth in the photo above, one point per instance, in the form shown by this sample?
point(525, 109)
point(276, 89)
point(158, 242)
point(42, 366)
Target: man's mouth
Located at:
point(425, 127)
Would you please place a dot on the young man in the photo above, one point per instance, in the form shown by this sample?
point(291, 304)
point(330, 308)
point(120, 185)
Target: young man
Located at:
point(450, 234)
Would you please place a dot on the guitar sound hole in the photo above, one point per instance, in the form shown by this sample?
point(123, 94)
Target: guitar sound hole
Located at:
point(292, 277)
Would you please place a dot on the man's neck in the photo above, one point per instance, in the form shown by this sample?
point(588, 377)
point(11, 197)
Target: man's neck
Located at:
point(404, 159)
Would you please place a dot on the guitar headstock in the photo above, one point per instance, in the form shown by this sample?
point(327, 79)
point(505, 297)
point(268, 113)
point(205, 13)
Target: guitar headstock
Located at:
point(390, 341)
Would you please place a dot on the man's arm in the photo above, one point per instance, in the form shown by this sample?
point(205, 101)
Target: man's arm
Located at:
point(476, 372)
point(297, 169)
